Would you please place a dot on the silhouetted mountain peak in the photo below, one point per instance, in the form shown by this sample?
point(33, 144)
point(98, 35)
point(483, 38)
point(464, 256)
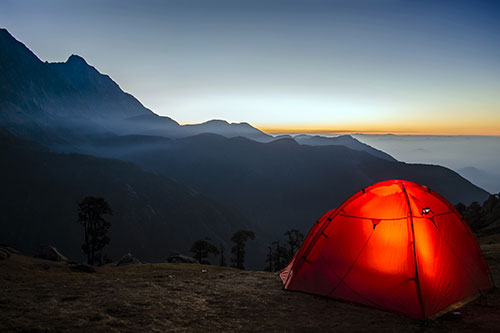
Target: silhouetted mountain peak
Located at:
point(347, 137)
point(222, 122)
point(216, 121)
point(76, 60)
point(245, 124)
point(5, 34)
point(13, 51)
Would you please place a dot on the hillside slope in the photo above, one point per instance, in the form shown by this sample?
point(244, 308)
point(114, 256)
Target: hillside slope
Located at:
point(152, 214)
point(341, 140)
point(281, 184)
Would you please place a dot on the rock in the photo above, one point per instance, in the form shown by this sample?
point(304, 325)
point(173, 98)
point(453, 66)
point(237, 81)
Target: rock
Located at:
point(4, 254)
point(50, 253)
point(9, 249)
point(177, 258)
point(45, 266)
point(128, 259)
point(82, 268)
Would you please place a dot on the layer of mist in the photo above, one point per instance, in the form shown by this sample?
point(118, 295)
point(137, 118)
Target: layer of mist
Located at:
point(476, 158)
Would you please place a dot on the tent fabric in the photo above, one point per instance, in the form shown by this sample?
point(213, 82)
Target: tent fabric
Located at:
point(395, 245)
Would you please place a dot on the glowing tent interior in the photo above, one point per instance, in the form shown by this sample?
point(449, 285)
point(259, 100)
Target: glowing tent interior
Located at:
point(395, 245)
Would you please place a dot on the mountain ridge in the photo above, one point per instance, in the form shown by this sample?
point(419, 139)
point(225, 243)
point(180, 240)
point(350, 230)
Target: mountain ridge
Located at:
point(82, 98)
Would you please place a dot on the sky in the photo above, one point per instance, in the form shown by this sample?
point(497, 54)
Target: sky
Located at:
point(388, 66)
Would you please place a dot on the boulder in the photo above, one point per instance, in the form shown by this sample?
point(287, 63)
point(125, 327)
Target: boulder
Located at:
point(4, 254)
point(9, 249)
point(128, 259)
point(82, 268)
point(49, 252)
point(178, 258)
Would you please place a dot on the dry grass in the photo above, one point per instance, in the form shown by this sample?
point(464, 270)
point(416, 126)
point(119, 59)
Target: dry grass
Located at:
point(181, 298)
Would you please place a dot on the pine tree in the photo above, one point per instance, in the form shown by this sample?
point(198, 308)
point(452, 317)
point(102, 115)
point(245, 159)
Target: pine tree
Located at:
point(90, 216)
point(238, 250)
point(202, 248)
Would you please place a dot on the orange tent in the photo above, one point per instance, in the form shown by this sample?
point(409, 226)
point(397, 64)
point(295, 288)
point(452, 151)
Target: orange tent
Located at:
point(395, 245)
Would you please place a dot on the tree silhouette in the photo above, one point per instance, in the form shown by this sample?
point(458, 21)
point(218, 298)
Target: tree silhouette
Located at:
point(90, 216)
point(479, 217)
point(238, 250)
point(474, 215)
point(294, 241)
point(222, 257)
point(269, 259)
point(202, 248)
point(491, 209)
point(461, 208)
point(279, 256)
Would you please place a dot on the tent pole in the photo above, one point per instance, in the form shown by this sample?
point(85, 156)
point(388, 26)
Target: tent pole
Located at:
point(417, 279)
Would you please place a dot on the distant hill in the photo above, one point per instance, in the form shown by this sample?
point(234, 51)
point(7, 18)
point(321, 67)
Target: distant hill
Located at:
point(487, 180)
point(341, 140)
point(229, 130)
point(152, 214)
point(281, 184)
point(161, 126)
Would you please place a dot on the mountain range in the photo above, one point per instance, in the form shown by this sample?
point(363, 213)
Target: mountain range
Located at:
point(63, 104)
point(70, 131)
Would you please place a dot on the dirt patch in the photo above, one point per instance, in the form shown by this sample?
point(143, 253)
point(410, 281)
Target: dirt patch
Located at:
point(182, 298)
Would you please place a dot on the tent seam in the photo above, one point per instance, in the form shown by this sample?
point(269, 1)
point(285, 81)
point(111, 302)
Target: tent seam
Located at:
point(374, 304)
point(417, 277)
point(354, 263)
point(331, 269)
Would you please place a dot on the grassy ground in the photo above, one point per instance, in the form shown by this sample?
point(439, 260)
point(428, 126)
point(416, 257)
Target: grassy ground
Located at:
point(181, 298)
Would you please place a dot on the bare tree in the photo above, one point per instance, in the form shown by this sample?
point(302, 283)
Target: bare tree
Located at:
point(279, 256)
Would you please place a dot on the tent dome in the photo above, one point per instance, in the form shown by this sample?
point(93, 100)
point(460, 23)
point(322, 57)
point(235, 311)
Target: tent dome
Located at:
point(395, 245)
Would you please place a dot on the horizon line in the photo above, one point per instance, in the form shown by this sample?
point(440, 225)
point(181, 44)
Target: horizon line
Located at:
point(313, 131)
point(278, 130)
